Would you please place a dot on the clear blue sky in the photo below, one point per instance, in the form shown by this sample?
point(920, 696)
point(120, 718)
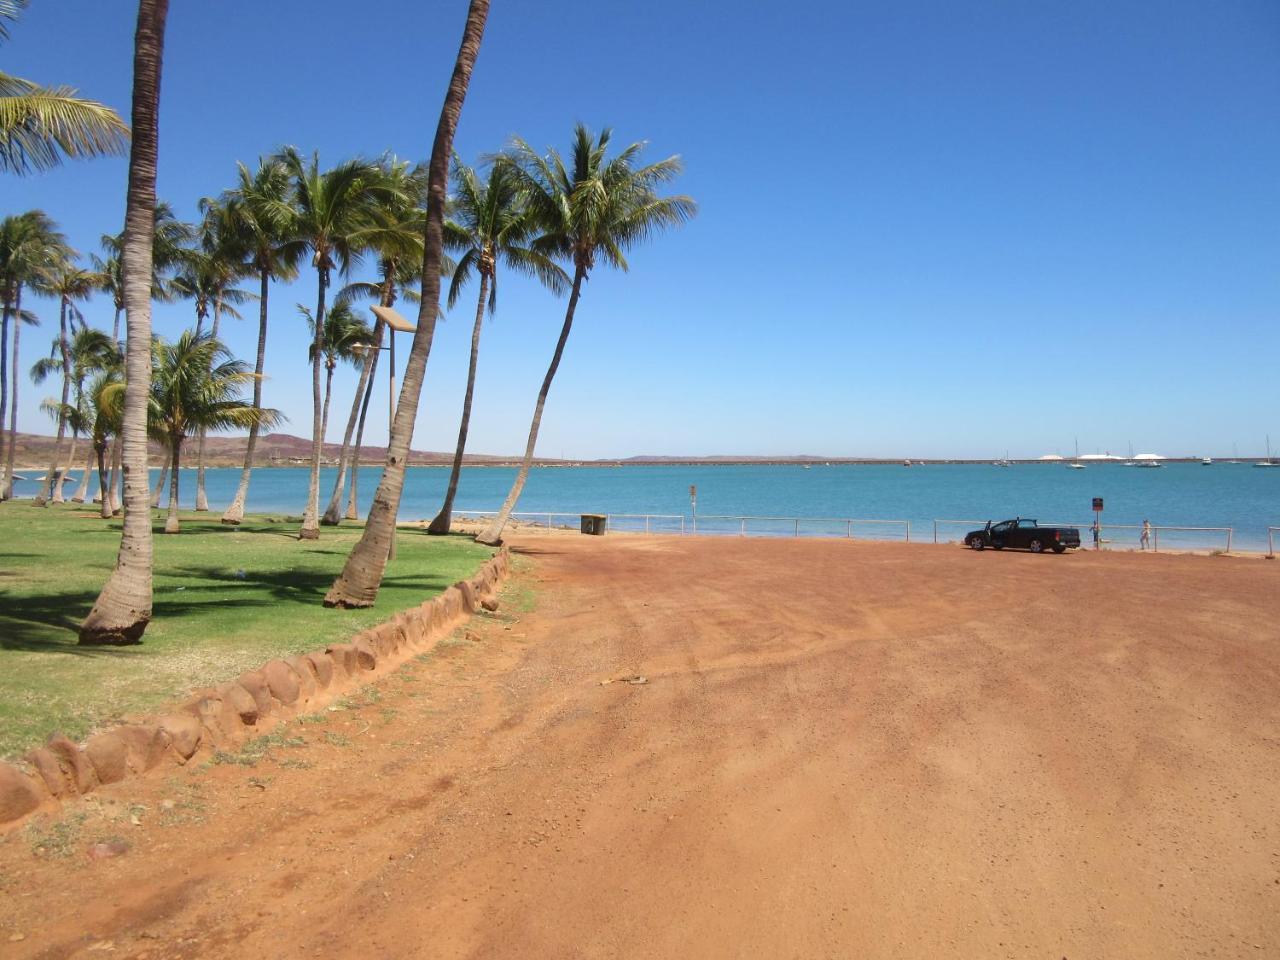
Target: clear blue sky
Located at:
point(926, 228)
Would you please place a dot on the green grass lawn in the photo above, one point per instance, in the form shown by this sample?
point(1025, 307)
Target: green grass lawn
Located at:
point(227, 599)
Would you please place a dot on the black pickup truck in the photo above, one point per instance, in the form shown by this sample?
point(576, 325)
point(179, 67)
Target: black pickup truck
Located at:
point(1023, 534)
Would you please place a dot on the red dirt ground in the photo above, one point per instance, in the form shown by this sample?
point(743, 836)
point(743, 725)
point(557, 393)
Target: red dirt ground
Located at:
point(842, 750)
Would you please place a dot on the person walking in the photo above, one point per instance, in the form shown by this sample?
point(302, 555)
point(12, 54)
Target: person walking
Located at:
point(1145, 539)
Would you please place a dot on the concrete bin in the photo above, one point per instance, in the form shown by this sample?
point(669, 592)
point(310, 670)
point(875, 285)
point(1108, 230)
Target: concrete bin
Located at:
point(593, 524)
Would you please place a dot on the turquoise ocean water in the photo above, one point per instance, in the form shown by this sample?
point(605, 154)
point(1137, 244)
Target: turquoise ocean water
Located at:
point(1179, 494)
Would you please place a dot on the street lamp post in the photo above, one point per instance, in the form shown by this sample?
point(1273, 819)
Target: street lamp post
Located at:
point(395, 322)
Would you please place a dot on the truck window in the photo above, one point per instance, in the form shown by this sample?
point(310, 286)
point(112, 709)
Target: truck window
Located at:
point(1002, 527)
point(1026, 523)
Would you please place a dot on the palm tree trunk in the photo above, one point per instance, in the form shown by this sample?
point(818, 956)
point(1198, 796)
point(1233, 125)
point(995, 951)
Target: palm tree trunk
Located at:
point(6, 294)
point(51, 480)
point(82, 491)
point(492, 534)
point(443, 520)
point(59, 487)
point(123, 609)
point(235, 512)
point(353, 501)
point(332, 515)
point(328, 391)
point(104, 485)
point(114, 481)
point(7, 492)
point(202, 501)
point(361, 576)
point(115, 328)
point(311, 516)
point(171, 521)
point(158, 490)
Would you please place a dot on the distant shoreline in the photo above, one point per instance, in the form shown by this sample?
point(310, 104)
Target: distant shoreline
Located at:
point(283, 450)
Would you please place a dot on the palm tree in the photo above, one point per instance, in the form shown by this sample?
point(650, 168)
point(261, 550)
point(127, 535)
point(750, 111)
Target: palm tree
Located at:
point(123, 608)
point(260, 211)
point(30, 245)
point(345, 337)
point(68, 283)
point(207, 279)
point(396, 237)
point(196, 386)
point(40, 125)
point(491, 225)
point(361, 576)
point(106, 404)
point(594, 206)
point(334, 210)
point(92, 353)
point(171, 241)
point(89, 351)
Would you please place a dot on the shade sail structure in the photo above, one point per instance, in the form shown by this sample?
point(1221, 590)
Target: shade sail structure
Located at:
point(393, 319)
point(1150, 456)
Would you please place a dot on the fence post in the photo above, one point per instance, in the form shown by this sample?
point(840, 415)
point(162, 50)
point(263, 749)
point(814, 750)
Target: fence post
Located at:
point(935, 531)
point(797, 526)
point(848, 532)
point(1228, 539)
point(1155, 540)
point(908, 531)
point(646, 523)
point(744, 527)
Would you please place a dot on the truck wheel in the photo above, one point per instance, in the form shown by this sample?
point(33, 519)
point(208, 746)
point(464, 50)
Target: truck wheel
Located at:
point(1059, 548)
point(1035, 546)
point(976, 543)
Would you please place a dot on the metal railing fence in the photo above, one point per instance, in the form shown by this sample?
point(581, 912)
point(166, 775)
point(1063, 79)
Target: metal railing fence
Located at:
point(1112, 535)
point(847, 528)
point(842, 527)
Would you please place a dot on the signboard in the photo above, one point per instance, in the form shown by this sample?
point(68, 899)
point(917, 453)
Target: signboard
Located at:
point(1097, 504)
point(693, 499)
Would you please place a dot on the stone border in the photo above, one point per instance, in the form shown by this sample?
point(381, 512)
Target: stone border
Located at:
point(229, 714)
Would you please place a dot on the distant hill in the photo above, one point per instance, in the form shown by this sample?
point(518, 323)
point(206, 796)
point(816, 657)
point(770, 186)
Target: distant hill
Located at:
point(34, 451)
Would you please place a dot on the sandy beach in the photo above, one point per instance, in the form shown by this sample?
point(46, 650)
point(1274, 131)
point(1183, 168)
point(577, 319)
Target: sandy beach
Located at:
point(837, 750)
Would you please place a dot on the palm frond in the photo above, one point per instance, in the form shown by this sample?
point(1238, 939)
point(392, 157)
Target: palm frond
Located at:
point(10, 10)
point(40, 126)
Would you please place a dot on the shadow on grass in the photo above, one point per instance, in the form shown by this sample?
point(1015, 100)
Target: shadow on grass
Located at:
point(302, 585)
point(50, 623)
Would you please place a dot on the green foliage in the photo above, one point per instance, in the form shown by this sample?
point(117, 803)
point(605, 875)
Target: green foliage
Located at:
point(196, 384)
point(41, 125)
point(595, 205)
point(491, 224)
point(345, 334)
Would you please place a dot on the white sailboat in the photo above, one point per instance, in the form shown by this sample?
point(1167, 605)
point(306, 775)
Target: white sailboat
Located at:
point(1075, 464)
point(1267, 462)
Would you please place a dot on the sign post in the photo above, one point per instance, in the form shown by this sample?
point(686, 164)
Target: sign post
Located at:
point(1097, 523)
point(693, 505)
